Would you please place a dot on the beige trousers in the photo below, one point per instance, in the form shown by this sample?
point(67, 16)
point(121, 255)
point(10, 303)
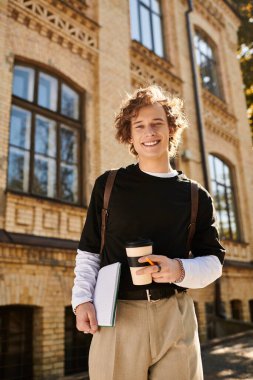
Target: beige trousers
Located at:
point(150, 341)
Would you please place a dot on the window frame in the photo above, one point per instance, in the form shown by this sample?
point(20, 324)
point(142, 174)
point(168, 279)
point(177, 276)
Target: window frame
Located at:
point(59, 119)
point(235, 201)
point(218, 92)
point(140, 4)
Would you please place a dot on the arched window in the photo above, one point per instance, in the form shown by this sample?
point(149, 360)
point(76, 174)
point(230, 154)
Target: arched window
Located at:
point(45, 128)
point(16, 342)
point(77, 345)
point(236, 310)
point(223, 193)
point(206, 60)
point(146, 24)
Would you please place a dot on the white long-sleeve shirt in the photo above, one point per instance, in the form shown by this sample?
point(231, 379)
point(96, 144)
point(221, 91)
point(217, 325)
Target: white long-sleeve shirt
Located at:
point(199, 272)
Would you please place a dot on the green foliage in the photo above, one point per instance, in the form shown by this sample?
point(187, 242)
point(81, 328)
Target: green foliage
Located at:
point(245, 51)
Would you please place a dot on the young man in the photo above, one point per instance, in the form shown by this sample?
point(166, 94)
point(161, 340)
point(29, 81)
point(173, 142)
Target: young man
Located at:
point(157, 338)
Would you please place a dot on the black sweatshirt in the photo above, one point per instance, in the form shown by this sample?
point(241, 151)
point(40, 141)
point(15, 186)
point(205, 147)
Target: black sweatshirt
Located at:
point(143, 206)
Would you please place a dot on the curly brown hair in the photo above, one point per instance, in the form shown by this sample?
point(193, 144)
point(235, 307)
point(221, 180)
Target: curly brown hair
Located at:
point(142, 97)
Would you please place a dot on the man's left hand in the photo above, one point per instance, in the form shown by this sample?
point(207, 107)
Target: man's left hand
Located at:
point(165, 270)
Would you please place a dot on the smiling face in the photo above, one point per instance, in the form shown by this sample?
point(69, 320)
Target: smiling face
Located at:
point(150, 133)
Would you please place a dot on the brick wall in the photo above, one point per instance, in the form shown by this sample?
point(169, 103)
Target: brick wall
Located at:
point(104, 70)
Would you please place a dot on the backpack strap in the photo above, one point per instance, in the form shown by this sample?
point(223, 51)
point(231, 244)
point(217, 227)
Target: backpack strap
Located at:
point(194, 212)
point(107, 193)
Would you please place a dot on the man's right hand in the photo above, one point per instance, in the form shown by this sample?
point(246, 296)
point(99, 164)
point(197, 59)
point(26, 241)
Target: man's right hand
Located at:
point(86, 320)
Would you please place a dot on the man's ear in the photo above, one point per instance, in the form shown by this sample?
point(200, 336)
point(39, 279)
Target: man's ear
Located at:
point(171, 131)
point(130, 140)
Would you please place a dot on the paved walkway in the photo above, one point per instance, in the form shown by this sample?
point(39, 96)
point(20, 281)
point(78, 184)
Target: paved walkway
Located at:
point(230, 358)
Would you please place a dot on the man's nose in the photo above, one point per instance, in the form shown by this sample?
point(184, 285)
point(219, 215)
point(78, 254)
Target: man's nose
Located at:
point(150, 130)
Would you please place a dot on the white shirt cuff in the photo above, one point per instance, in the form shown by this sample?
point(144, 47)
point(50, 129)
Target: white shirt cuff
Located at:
point(200, 271)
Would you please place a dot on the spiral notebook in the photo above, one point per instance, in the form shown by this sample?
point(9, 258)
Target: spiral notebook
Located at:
point(105, 295)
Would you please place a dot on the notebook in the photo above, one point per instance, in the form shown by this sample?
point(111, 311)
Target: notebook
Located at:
point(105, 295)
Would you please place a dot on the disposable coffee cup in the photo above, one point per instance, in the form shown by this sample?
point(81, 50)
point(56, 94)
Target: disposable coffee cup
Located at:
point(135, 250)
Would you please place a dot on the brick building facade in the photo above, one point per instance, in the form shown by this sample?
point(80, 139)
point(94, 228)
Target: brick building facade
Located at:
point(65, 65)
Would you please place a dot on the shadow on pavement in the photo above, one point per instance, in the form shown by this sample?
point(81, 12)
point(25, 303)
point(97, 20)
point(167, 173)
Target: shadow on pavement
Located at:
point(231, 359)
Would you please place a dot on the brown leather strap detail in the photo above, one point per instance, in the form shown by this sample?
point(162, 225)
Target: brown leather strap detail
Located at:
point(194, 212)
point(107, 193)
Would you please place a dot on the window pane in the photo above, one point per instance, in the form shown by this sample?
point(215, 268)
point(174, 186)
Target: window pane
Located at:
point(44, 178)
point(206, 78)
point(47, 96)
point(227, 178)
point(146, 28)
point(232, 217)
point(224, 198)
point(205, 58)
point(23, 82)
point(211, 166)
point(20, 128)
point(218, 170)
point(45, 136)
point(68, 138)
point(214, 78)
point(146, 2)
point(18, 169)
point(69, 102)
point(197, 50)
point(209, 52)
point(155, 5)
point(158, 37)
point(203, 47)
point(69, 178)
point(134, 18)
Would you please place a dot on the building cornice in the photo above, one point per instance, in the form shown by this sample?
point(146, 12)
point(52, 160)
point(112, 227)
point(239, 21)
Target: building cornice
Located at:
point(148, 68)
point(237, 251)
point(218, 119)
point(37, 241)
point(215, 11)
point(59, 23)
point(233, 8)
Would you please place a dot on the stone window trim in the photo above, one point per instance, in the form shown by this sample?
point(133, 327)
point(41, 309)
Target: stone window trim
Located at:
point(213, 63)
point(73, 124)
point(229, 186)
point(141, 4)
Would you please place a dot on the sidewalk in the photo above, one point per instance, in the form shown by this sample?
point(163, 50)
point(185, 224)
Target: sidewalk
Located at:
point(229, 358)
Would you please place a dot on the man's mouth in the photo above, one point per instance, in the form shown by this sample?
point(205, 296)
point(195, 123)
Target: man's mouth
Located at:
point(151, 143)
